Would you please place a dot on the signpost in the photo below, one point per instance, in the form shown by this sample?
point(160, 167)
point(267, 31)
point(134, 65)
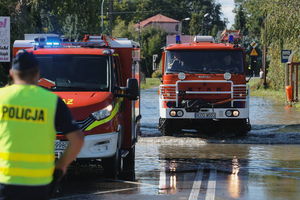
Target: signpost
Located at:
point(285, 54)
point(154, 62)
point(4, 39)
point(253, 57)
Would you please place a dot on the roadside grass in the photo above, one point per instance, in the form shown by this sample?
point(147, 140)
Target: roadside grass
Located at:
point(257, 89)
point(150, 83)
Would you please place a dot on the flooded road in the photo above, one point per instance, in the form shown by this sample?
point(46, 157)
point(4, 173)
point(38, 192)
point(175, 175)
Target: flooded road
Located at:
point(264, 165)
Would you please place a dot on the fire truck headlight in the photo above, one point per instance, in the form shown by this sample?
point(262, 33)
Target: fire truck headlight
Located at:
point(228, 113)
point(172, 113)
point(101, 114)
point(235, 113)
point(179, 113)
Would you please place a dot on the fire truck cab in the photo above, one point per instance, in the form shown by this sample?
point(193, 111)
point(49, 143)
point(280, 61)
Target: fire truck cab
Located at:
point(203, 88)
point(98, 79)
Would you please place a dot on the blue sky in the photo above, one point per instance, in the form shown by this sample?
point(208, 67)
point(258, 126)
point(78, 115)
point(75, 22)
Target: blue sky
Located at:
point(227, 7)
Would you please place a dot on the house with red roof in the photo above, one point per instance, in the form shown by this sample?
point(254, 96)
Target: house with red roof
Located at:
point(171, 26)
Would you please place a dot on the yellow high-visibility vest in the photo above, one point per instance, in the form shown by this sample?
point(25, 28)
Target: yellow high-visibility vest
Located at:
point(27, 135)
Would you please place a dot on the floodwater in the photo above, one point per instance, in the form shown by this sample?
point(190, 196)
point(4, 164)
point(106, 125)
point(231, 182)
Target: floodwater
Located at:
point(261, 166)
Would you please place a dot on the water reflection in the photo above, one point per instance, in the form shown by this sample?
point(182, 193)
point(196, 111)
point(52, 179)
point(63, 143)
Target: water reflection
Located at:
point(168, 178)
point(235, 166)
point(234, 186)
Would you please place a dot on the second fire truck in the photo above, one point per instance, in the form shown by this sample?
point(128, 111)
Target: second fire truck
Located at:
point(204, 88)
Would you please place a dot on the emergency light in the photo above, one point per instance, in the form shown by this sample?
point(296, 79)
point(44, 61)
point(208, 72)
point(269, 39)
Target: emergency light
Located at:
point(177, 39)
point(54, 42)
point(230, 38)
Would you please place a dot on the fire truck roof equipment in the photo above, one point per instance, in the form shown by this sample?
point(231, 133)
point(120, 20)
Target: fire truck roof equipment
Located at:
point(202, 38)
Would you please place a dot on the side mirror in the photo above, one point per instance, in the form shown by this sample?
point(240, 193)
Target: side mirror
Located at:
point(132, 89)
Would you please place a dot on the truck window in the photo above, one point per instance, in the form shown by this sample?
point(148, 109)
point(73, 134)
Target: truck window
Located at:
point(205, 61)
point(117, 68)
point(76, 72)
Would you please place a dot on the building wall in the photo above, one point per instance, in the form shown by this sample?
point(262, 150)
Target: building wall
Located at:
point(170, 28)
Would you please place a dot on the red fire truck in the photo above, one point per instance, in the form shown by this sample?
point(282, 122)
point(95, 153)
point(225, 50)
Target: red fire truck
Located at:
point(204, 88)
point(98, 79)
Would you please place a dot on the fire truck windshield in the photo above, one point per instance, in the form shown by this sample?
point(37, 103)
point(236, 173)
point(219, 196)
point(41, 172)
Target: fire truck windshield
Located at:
point(205, 61)
point(75, 72)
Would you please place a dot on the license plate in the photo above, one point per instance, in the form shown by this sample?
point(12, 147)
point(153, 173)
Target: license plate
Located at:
point(61, 145)
point(206, 115)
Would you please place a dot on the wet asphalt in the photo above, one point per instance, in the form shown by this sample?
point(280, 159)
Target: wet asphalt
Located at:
point(189, 166)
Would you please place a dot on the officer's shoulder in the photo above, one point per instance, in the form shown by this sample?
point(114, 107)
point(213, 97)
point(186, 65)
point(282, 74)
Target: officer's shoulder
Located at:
point(45, 91)
point(5, 88)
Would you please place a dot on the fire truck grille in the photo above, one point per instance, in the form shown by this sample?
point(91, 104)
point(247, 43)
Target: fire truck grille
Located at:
point(168, 92)
point(239, 92)
point(83, 124)
point(197, 94)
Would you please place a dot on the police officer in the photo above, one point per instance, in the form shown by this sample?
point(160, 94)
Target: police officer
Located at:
point(29, 118)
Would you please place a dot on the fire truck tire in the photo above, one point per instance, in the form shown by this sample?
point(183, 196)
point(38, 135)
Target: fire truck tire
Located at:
point(112, 165)
point(167, 128)
point(239, 127)
point(244, 128)
point(128, 172)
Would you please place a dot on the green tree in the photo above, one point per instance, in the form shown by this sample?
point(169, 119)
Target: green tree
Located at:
point(152, 40)
point(276, 24)
point(240, 20)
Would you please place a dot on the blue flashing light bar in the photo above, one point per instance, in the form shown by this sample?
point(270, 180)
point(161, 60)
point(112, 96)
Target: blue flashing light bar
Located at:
point(177, 38)
point(54, 43)
point(231, 39)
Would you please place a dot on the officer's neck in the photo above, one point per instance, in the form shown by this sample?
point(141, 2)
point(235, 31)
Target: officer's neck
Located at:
point(23, 82)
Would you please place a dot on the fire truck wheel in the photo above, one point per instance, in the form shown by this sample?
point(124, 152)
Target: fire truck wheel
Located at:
point(112, 165)
point(128, 172)
point(167, 128)
point(244, 128)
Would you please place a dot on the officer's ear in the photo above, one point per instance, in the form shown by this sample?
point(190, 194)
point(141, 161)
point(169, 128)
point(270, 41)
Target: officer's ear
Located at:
point(11, 73)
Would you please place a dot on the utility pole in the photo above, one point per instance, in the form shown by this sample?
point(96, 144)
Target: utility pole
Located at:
point(264, 58)
point(111, 9)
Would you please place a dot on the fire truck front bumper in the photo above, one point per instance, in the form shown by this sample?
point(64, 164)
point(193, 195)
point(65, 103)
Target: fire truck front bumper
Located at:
point(205, 113)
point(99, 145)
point(95, 146)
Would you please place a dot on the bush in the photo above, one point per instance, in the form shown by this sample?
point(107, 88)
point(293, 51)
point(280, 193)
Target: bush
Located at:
point(157, 74)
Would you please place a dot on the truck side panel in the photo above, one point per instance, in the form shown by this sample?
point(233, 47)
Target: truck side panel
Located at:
point(128, 71)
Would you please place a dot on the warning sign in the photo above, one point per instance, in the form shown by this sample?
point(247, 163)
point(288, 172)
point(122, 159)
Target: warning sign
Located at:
point(253, 52)
point(4, 39)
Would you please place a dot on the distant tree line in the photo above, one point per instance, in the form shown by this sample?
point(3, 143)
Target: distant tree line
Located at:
point(74, 18)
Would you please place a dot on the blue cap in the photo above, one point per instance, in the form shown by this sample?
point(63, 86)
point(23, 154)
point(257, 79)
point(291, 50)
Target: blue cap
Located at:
point(24, 61)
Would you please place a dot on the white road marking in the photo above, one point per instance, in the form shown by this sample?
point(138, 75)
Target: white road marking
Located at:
point(196, 185)
point(211, 186)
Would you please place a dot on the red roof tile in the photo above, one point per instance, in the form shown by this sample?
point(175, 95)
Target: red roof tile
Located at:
point(157, 18)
